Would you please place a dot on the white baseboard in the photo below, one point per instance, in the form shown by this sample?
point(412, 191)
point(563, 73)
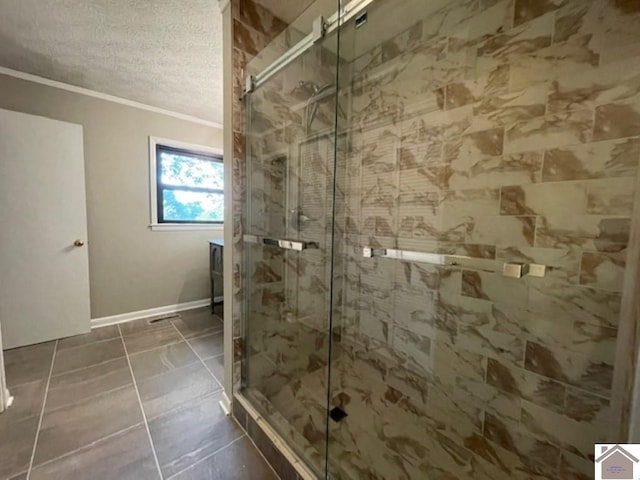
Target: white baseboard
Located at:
point(131, 316)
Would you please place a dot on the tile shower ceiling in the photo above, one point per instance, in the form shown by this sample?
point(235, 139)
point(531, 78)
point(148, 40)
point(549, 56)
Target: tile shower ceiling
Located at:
point(166, 54)
point(289, 10)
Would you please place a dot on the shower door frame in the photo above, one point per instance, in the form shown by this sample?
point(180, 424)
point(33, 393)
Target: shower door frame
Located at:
point(321, 28)
point(626, 385)
point(303, 467)
point(625, 402)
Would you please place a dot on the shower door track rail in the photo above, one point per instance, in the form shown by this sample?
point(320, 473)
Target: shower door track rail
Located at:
point(321, 28)
point(513, 270)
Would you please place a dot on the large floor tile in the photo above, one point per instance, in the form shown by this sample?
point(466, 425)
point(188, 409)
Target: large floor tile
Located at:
point(208, 346)
point(28, 364)
point(124, 456)
point(162, 360)
point(238, 461)
point(16, 446)
point(21, 476)
point(216, 366)
point(198, 322)
point(87, 382)
point(200, 312)
point(151, 339)
point(82, 423)
point(277, 460)
point(164, 392)
point(87, 355)
point(145, 325)
point(95, 335)
point(242, 461)
point(27, 402)
point(184, 436)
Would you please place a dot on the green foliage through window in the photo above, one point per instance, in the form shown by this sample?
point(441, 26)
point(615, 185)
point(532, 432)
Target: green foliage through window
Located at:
point(190, 186)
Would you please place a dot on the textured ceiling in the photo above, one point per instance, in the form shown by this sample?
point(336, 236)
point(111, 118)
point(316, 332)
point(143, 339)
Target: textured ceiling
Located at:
point(167, 54)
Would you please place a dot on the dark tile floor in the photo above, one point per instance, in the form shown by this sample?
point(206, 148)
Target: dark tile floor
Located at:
point(135, 401)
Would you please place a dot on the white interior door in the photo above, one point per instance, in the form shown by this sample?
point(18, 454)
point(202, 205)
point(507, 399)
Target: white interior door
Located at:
point(44, 276)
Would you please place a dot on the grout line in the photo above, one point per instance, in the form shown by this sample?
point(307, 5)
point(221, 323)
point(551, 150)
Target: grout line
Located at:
point(89, 398)
point(44, 402)
point(579, 274)
point(76, 370)
point(24, 384)
point(199, 357)
point(144, 333)
point(186, 403)
point(200, 335)
point(157, 347)
point(89, 445)
point(144, 416)
point(73, 347)
point(264, 457)
point(209, 456)
point(154, 322)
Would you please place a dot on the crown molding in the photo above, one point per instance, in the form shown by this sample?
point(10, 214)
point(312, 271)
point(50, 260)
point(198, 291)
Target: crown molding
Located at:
point(104, 96)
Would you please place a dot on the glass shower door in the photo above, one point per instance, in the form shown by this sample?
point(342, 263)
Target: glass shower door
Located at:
point(288, 247)
point(485, 191)
point(436, 238)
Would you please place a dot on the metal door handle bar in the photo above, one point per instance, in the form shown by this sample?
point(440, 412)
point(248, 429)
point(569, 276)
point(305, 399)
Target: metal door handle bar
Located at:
point(297, 245)
point(514, 270)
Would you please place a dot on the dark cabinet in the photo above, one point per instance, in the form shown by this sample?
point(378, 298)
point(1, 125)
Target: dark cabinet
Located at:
point(216, 252)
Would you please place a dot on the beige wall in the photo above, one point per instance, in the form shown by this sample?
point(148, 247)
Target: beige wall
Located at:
point(131, 267)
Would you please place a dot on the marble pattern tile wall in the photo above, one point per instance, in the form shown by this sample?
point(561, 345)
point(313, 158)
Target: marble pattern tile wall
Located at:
point(497, 129)
point(502, 129)
point(286, 294)
point(253, 28)
point(289, 170)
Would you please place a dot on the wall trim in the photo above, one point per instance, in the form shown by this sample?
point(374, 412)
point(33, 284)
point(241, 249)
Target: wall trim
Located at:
point(625, 391)
point(104, 96)
point(303, 471)
point(186, 227)
point(5, 397)
point(225, 404)
point(153, 183)
point(223, 4)
point(228, 145)
point(151, 312)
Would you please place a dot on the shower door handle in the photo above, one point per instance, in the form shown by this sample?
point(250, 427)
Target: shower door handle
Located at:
point(297, 245)
point(513, 270)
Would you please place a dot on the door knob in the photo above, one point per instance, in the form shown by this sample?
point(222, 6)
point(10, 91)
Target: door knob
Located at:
point(78, 243)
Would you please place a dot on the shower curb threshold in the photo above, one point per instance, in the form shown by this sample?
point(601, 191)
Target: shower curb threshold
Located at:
point(276, 439)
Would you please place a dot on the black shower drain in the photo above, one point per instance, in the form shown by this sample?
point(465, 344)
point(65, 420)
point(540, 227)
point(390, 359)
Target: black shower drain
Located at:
point(337, 414)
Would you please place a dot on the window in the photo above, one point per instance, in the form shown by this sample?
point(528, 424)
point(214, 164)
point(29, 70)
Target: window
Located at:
point(187, 186)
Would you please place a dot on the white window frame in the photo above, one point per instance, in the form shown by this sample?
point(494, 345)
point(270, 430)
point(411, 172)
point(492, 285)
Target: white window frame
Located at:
point(153, 185)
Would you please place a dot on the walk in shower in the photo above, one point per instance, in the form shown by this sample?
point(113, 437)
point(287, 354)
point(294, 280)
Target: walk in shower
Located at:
point(439, 204)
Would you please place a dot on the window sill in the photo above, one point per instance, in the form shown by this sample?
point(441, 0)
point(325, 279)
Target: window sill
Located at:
point(184, 227)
